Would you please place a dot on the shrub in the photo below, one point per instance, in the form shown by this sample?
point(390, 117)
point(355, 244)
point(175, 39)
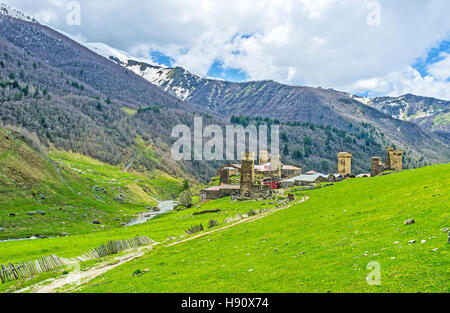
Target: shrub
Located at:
point(213, 223)
point(195, 229)
point(186, 185)
point(185, 198)
point(251, 213)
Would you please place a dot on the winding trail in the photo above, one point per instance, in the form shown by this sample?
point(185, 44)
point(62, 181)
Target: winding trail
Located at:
point(77, 278)
point(74, 281)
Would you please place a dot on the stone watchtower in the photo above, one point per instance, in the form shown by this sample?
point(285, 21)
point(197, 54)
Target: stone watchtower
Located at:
point(377, 166)
point(224, 175)
point(394, 159)
point(275, 166)
point(247, 174)
point(394, 162)
point(263, 157)
point(345, 163)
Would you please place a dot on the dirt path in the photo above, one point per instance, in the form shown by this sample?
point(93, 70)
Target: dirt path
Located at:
point(77, 278)
point(73, 281)
point(243, 221)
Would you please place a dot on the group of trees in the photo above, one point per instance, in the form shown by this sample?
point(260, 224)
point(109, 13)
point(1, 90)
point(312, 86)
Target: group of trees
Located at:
point(247, 120)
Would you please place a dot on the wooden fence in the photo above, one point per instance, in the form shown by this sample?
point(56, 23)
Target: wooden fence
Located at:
point(12, 272)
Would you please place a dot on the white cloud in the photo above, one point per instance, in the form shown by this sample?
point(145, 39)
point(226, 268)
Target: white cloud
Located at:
point(403, 82)
point(324, 43)
point(441, 69)
point(315, 8)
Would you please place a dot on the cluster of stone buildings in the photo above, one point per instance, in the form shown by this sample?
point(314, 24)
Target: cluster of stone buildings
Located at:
point(258, 181)
point(271, 168)
point(394, 162)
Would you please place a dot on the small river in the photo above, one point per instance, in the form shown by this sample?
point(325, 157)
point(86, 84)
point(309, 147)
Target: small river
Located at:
point(164, 207)
point(30, 238)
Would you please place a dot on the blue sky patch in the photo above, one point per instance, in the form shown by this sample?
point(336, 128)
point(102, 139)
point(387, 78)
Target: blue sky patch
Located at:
point(433, 56)
point(242, 36)
point(218, 70)
point(363, 94)
point(161, 58)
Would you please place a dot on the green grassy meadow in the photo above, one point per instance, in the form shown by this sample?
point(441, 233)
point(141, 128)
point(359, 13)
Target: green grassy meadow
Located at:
point(72, 190)
point(322, 245)
point(163, 228)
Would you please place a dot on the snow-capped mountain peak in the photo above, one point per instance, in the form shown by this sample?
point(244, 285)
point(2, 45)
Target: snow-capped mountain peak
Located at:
point(106, 51)
point(363, 100)
point(12, 12)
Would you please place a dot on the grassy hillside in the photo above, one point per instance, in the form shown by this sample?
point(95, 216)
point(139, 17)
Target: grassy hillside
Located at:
point(323, 245)
point(72, 190)
point(164, 228)
point(76, 100)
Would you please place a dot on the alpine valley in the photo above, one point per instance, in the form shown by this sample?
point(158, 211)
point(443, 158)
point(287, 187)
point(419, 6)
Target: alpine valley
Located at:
point(86, 133)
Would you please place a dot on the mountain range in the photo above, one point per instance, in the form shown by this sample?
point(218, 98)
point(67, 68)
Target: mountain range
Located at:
point(407, 121)
point(429, 113)
point(96, 100)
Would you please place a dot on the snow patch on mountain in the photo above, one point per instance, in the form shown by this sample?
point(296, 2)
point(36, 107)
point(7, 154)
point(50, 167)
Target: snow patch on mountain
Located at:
point(162, 77)
point(106, 51)
point(363, 100)
point(154, 74)
point(12, 12)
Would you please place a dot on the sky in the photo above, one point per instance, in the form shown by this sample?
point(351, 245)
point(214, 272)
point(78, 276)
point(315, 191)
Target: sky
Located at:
point(368, 48)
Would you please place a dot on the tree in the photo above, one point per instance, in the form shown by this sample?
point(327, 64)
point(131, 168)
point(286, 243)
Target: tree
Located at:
point(286, 150)
point(297, 154)
point(325, 166)
point(185, 198)
point(307, 141)
point(186, 185)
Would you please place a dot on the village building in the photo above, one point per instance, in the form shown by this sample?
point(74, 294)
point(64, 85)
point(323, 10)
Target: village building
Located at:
point(263, 157)
point(256, 180)
point(216, 192)
point(288, 171)
point(248, 188)
point(234, 169)
point(224, 175)
point(394, 162)
point(345, 163)
point(247, 174)
point(274, 169)
point(377, 166)
point(394, 159)
point(304, 180)
point(334, 177)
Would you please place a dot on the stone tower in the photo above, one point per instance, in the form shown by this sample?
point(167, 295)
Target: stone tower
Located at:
point(377, 166)
point(345, 163)
point(275, 166)
point(224, 175)
point(394, 159)
point(247, 174)
point(389, 151)
point(263, 157)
